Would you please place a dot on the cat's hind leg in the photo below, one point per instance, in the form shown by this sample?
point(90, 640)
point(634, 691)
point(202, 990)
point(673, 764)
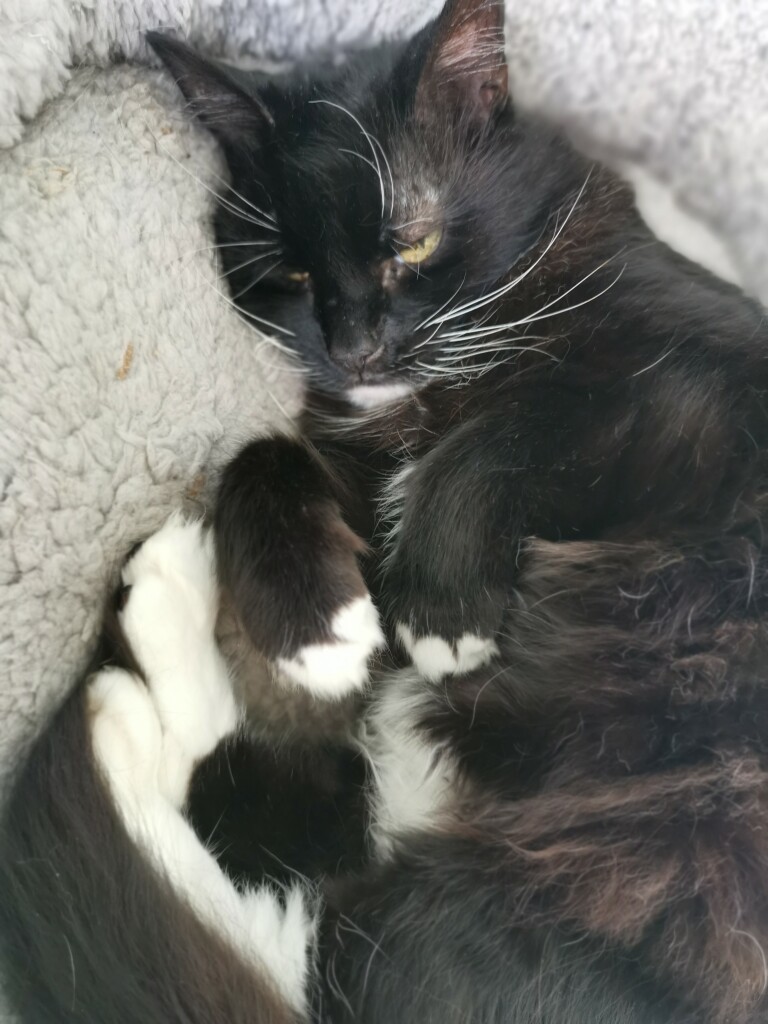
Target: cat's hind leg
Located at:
point(149, 734)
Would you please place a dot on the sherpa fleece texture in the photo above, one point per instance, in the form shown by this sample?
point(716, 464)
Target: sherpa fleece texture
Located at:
point(125, 377)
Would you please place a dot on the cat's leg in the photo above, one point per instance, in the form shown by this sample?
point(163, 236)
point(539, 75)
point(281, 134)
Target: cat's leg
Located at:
point(458, 517)
point(148, 735)
point(291, 564)
point(442, 592)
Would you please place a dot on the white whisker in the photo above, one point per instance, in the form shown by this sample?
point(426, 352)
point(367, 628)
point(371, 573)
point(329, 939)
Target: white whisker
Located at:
point(577, 305)
point(483, 300)
point(231, 245)
point(369, 140)
point(241, 197)
point(431, 317)
point(391, 178)
point(365, 159)
point(255, 280)
point(248, 263)
point(662, 357)
point(256, 319)
point(226, 203)
point(545, 312)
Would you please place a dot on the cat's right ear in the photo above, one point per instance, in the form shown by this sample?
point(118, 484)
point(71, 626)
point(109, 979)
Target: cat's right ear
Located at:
point(233, 115)
point(465, 68)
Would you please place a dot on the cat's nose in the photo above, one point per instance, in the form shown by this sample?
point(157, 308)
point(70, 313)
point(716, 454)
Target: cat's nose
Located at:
point(358, 360)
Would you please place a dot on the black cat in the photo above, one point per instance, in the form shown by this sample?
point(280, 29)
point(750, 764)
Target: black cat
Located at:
point(535, 440)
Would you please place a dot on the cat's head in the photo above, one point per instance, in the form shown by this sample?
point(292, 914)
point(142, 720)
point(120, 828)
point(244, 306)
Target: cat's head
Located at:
point(371, 200)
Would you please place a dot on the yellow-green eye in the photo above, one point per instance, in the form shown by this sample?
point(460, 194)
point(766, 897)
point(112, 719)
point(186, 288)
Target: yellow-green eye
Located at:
point(298, 276)
point(422, 249)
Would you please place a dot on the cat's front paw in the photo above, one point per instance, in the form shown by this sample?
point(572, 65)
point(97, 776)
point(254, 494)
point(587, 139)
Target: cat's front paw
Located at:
point(444, 634)
point(334, 666)
point(291, 565)
point(434, 656)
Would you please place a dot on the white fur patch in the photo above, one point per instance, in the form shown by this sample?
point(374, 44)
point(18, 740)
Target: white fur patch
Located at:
point(370, 396)
point(147, 739)
point(333, 669)
point(435, 657)
point(169, 621)
point(416, 782)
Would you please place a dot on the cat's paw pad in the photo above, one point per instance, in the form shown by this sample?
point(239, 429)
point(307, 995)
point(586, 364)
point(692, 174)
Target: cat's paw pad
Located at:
point(169, 611)
point(340, 664)
point(434, 657)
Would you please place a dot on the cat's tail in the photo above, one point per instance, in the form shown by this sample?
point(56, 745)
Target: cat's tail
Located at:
point(91, 931)
point(111, 909)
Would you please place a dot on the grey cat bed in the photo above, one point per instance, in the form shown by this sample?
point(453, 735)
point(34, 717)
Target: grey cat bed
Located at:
point(126, 379)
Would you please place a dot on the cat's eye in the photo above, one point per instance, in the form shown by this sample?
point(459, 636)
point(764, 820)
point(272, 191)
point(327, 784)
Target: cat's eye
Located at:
point(298, 276)
point(422, 249)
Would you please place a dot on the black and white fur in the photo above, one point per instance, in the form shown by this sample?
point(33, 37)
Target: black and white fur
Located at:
point(560, 533)
point(403, 943)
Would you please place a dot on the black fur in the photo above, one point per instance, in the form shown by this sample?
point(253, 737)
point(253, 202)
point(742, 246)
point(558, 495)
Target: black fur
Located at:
point(278, 509)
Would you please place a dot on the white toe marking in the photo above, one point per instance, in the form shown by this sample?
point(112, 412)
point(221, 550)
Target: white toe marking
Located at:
point(333, 669)
point(435, 657)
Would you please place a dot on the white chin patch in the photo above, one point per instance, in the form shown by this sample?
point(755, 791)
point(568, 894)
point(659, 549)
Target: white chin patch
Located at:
point(434, 657)
point(369, 396)
point(332, 669)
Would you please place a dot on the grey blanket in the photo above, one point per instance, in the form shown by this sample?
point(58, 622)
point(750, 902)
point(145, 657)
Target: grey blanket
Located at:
point(126, 379)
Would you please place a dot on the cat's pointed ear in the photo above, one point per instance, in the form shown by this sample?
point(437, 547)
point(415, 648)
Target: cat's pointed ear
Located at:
point(232, 114)
point(465, 66)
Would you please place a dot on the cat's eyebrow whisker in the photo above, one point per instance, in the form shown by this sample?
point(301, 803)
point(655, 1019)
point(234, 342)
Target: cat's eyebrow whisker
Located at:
point(391, 178)
point(497, 293)
point(369, 140)
point(360, 156)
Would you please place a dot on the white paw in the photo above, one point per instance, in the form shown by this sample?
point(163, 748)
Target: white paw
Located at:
point(168, 621)
point(333, 669)
point(126, 733)
point(435, 658)
point(181, 553)
point(281, 937)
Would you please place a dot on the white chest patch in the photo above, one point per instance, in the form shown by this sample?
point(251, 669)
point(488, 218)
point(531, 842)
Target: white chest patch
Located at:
point(416, 781)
